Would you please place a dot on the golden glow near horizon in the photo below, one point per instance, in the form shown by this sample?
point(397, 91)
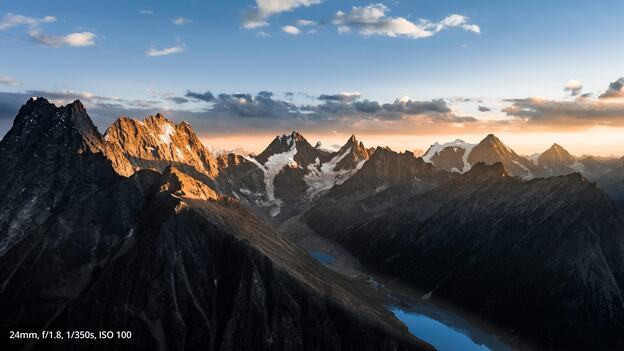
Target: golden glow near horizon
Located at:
point(598, 141)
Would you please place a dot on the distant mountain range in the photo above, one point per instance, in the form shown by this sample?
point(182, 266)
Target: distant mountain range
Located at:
point(144, 227)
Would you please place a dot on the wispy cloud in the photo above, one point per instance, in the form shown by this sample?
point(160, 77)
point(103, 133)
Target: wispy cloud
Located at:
point(11, 20)
point(372, 20)
point(147, 12)
point(78, 39)
point(153, 51)
point(6, 80)
point(180, 21)
point(306, 23)
point(258, 15)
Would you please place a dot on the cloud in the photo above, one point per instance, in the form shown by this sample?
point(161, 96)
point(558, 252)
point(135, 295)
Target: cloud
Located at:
point(206, 97)
point(258, 15)
point(11, 20)
point(180, 21)
point(342, 97)
point(178, 100)
point(5, 80)
point(147, 12)
point(484, 109)
point(292, 30)
point(78, 39)
point(567, 114)
point(263, 34)
point(583, 112)
point(154, 52)
point(372, 20)
point(306, 23)
point(574, 87)
point(615, 90)
point(334, 107)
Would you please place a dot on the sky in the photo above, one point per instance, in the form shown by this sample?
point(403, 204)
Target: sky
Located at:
point(398, 73)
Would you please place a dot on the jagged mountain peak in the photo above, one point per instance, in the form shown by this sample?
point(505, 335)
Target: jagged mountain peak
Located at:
point(351, 155)
point(156, 143)
point(41, 122)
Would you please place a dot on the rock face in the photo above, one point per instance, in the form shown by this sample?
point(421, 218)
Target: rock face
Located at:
point(296, 173)
point(544, 257)
point(558, 161)
point(387, 168)
point(491, 150)
point(162, 255)
point(156, 143)
point(459, 156)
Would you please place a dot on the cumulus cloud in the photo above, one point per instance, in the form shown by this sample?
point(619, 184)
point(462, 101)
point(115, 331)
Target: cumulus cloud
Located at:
point(154, 52)
point(574, 87)
point(484, 109)
point(78, 39)
point(615, 90)
point(258, 15)
point(372, 20)
point(11, 20)
point(292, 30)
point(180, 21)
point(343, 97)
point(6, 80)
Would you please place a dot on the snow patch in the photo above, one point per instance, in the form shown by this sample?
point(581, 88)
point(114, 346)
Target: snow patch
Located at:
point(180, 154)
point(167, 132)
point(273, 165)
point(529, 174)
point(458, 143)
point(322, 177)
point(534, 158)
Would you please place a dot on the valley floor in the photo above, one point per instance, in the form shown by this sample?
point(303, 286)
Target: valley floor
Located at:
point(442, 325)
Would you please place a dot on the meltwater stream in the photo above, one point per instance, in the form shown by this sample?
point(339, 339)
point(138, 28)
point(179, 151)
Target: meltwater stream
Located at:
point(443, 329)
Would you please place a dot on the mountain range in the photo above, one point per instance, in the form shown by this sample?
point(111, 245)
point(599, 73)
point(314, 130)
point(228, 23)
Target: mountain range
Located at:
point(144, 227)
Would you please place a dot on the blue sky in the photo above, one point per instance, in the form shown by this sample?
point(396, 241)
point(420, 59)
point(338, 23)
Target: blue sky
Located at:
point(491, 51)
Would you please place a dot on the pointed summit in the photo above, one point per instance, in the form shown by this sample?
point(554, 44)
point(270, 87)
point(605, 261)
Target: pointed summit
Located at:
point(491, 150)
point(351, 154)
point(556, 156)
point(40, 123)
